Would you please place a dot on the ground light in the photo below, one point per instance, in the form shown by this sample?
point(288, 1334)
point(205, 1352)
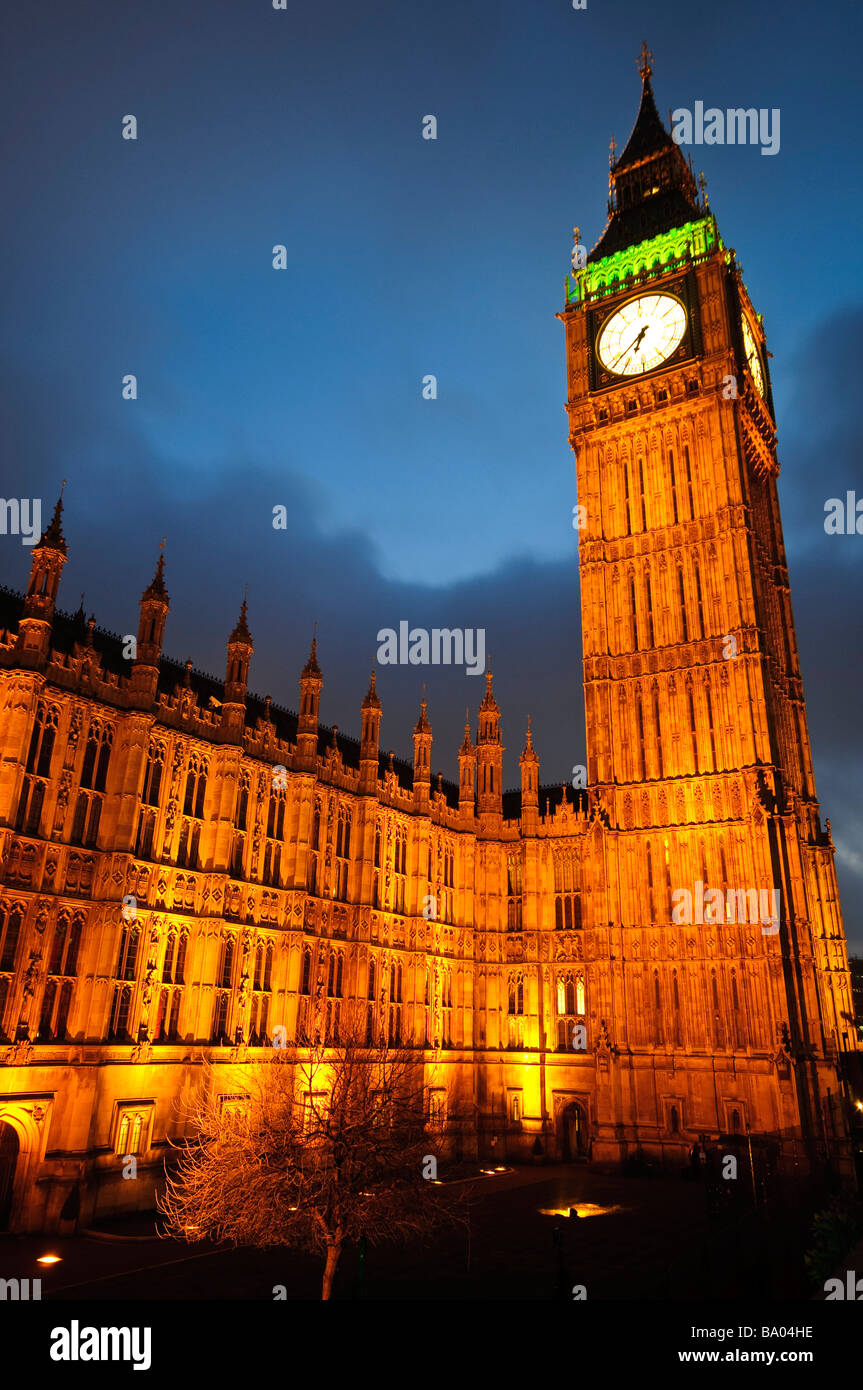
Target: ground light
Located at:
point(582, 1208)
point(49, 1259)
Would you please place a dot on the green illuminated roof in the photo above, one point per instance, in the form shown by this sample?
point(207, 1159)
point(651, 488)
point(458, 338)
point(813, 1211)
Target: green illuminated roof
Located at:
point(656, 256)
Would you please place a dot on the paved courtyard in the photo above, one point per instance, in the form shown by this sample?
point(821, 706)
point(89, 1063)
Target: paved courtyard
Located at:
point(643, 1238)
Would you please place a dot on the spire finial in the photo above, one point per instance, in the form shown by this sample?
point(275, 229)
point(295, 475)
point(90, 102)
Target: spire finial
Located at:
point(241, 631)
point(645, 63)
point(612, 151)
point(52, 536)
point(529, 734)
point(311, 667)
point(702, 185)
point(372, 700)
point(422, 725)
point(157, 588)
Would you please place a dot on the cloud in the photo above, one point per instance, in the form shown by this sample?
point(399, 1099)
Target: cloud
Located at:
point(220, 537)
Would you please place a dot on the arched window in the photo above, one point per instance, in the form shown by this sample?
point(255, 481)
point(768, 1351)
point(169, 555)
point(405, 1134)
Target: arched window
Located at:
point(693, 730)
point(688, 463)
point(46, 1017)
point(514, 895)
point(226, 962)
point(127, 954)
point(699, 600)
point(62, 1019)
point(94, 769)
point(10, 931)
point(118, 1022)
point(657, 1007)
point(64, 947)
point(153, 775)
point(343, 851)
point(196, 788)
point(673, 485)
point(136, 1134)
point(242, 816)
point(651, 642)
point(675, 1000)
point(305, 987)
point(220, 1019)
point(42, 740)
point(717, 1017)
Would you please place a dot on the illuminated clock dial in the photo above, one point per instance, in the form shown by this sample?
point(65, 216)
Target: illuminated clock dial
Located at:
point(753, 359)
point(641, 334)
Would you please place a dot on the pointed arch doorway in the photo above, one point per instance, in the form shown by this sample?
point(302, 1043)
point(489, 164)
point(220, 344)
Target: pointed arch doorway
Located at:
point(574, 1133)
point(9, 1150)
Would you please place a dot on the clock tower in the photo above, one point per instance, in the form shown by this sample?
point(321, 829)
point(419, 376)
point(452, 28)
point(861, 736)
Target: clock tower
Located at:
point(697, 740)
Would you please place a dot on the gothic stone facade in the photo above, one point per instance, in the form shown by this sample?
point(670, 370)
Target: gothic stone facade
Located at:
point(188, 872)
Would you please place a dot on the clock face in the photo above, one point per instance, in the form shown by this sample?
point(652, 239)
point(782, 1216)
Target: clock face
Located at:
point(753, 359)
point(641, 334)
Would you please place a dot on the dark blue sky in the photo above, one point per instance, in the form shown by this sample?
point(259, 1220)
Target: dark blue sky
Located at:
point(405, 257)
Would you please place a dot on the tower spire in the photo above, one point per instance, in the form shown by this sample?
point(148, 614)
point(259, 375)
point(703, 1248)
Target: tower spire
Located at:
point(645, 64)
point(52, 537)
point(370, 739)
point(311, 682)
point(154, 607)
point(46, 565)
point(529, 765)
point(652, 189)
point(422, 758)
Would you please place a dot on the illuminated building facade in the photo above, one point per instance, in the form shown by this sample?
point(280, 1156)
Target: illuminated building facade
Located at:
point(188, 871)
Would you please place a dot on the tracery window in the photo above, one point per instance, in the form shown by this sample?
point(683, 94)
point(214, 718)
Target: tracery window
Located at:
point(261, 993)
point(400, 856)
point(94, 771)
point(570, 1006)
point(513, 894)
point(38, 768)
point(515, 1010)
point(133, 1129)
point(275, 836)
point(567, 897)
point(343, 855)
point(11, 921)
point(54, 1014)
point(62, 962)
point(167, 1021)
point(196, 787)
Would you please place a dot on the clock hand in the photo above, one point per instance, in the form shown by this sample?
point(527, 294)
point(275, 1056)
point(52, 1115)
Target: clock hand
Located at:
point(633, 345)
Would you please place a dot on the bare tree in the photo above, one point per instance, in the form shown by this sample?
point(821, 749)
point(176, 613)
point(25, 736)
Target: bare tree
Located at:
point(326, 1147)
